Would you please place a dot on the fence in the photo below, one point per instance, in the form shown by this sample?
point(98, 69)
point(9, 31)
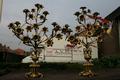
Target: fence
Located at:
point(62, 55)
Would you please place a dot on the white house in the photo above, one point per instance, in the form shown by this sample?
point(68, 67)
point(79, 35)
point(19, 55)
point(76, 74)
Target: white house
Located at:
point(60, 53)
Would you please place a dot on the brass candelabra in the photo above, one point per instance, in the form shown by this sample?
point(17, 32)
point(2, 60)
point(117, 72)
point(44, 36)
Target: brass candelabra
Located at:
point(33, 33)
point(91, 28)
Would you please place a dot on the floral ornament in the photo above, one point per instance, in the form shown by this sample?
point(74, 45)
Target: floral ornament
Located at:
point(106, 25)
point(36, 38)
point(17, 23)
point(89, 33)
point(11, 26)
point(100, 26)
point(89, 27)
point(26, 11)
point(96, 27)
point(35, 26)
point(71, 38)
point(76, 41)
point(82, 17)
point(31, 16)
point(77, 28)
point(85, 12)
point(67, 26)
point(69, 31)
point(45, 29)
point(56, 28)
point(33, 10)
point(98, 31)
point(42, 17)
point(26, 39)
point(39, 6)
point(29, 28)
point(34, 18)
point(65, 29)
point(105, 28)
point(77, 14)
point(45, 13)
point(54, 24)
point(19, 31)
point(89, 11)
point(49, 42)
point(83, 8)
point(96, 14)
point(76, 35)
point(59, 36)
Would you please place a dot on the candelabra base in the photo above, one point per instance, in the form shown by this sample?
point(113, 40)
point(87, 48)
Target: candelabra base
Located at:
point(34, 74)
point(87, 72)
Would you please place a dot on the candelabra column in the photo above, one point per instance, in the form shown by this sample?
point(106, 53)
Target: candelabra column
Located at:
point(34, 34)
point(34, 67)
point(87, 65)
point(90, 25)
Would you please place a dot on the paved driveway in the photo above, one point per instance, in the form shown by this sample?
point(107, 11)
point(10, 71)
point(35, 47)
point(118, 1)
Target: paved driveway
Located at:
point(109, 74)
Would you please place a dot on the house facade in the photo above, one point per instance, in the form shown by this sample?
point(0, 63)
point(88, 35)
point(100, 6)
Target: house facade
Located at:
point(111, 44)
point(8, 55)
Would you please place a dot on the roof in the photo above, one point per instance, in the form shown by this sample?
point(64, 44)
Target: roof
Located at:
point(19, 51)
point(114, 14)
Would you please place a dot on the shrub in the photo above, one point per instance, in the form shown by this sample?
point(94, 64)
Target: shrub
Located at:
point(107, 62)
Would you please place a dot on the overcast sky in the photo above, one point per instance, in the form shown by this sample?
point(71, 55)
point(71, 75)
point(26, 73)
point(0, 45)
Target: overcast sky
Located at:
point(60, 11)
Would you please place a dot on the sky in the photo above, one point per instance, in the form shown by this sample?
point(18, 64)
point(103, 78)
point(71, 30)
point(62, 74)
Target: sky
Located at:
point(61, 11)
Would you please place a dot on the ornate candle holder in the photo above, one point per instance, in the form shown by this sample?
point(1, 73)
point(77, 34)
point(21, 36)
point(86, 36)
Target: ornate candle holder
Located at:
point(90, 29)
point(32, 33)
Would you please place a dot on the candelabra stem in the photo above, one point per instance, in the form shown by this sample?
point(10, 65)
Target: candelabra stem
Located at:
point(34, 73)
point(87, 65)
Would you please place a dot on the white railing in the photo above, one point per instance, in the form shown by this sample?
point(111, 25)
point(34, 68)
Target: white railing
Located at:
point(62, 55)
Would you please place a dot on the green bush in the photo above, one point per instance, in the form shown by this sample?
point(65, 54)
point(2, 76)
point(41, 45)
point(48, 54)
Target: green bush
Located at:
point(107, 62)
